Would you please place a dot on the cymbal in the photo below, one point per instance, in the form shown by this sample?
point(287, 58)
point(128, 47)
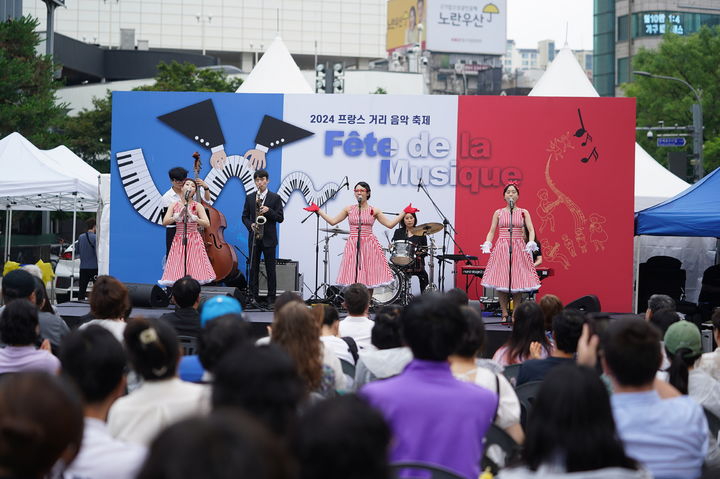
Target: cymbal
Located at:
point(427, 229)
point(336, 231)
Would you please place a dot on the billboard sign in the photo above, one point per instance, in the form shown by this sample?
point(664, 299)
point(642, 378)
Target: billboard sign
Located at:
point(466, 26)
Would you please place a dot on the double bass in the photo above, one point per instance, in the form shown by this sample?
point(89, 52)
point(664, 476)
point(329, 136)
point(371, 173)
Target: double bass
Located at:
point(222, 256)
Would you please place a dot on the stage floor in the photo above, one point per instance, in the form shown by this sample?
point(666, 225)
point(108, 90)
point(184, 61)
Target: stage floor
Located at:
point(75, 313)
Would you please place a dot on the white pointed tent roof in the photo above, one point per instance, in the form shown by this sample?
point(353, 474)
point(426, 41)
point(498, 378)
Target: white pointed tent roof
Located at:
point(276, 72)
point(34, 180)
point(565, 77)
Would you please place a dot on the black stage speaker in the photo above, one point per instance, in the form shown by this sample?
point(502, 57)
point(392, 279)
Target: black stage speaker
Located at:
point(588, 304)
point(147, 295)
point(288, 278)
point(207, 292)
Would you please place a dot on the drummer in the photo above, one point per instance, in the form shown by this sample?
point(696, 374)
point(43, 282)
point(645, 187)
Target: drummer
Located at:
point(417, 266)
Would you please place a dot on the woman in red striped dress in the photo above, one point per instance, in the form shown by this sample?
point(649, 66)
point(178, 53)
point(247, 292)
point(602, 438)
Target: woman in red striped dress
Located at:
point(374, 270)
point(497, 274)
point(198, 263)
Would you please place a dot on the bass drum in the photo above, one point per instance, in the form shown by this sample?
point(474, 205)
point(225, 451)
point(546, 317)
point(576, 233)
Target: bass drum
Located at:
point(390, 293)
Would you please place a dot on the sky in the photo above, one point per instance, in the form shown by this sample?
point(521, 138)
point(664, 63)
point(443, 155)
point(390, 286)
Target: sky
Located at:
point(530, 21)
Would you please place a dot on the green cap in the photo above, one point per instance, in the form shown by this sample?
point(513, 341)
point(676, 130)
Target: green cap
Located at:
point(683, 334)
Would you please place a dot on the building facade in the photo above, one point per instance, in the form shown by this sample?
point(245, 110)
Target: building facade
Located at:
point(233, 31)
point(623, 27)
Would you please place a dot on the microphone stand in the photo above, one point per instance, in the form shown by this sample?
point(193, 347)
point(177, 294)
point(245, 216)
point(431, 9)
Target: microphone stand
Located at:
point(357, 251)
point(446, 224)
point(317, 242)
point(185, 224)
point(510, 255)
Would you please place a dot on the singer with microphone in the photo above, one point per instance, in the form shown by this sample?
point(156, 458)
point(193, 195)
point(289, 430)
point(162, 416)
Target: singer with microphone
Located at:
point(187, 256)
point(363, 259)
point(510, 269)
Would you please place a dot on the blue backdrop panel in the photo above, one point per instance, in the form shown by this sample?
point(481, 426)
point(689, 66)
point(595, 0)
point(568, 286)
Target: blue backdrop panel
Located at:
point(137, 246)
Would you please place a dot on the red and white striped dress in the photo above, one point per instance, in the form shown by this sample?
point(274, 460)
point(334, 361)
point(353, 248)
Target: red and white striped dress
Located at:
point(524, 276)
point(198, 263)
point(374, 270)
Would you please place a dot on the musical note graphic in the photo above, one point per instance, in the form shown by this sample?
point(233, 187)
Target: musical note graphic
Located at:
point(593, 154)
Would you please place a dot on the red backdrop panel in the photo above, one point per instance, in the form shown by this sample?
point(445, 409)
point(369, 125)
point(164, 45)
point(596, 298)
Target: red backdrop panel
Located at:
point(573, 160)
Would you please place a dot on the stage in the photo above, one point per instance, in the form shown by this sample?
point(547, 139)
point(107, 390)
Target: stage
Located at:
point(75, 313)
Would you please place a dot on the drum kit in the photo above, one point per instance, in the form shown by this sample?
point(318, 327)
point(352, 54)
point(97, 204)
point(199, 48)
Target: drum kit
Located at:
point(405, 256)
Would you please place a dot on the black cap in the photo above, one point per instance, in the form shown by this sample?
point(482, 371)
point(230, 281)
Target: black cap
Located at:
point(18, 284)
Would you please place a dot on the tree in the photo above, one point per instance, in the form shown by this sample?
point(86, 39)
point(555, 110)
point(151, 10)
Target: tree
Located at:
point(27, 88)
point(187, 77)
point(695, 59)
point(88, 133)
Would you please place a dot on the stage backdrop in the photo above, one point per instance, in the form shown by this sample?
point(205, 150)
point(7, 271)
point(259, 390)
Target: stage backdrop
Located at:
point(571, 157)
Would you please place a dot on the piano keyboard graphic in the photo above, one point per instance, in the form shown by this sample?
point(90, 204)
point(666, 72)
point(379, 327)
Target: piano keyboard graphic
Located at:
point(236, 166)
point(299, 181)
point(139, 186)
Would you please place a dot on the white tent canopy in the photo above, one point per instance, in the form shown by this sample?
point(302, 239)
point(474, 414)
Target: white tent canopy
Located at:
point(38, 181)
point(276, 72)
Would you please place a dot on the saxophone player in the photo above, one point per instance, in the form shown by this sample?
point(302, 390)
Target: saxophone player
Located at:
point(262, 212)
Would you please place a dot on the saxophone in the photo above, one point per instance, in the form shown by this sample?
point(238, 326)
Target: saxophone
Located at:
point(260, 220)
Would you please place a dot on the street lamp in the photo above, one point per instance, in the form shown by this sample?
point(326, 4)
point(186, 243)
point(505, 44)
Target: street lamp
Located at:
point(697, 117)
point(202, 19)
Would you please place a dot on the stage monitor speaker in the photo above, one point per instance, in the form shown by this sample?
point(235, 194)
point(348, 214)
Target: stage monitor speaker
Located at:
point(288, 278)
point(587, 304)
point(147, 295)
point(207, 292)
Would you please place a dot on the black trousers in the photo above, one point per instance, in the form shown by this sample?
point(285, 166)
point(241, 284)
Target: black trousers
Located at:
point(169, 235)
point(422, 276)
point(86, 275)
point(268, 254)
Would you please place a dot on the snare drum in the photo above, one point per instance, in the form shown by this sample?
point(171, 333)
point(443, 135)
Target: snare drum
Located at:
point(403, 253)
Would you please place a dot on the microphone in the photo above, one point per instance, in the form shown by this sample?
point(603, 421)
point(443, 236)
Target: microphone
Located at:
point(359, 199)
point(419, 183)
point(187, 194)
point(511, 203)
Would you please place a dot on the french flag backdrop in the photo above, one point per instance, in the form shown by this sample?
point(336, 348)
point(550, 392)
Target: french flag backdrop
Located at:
point(572, 158)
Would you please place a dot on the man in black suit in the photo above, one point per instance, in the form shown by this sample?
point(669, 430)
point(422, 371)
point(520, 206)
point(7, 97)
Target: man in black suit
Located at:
point(271, 208)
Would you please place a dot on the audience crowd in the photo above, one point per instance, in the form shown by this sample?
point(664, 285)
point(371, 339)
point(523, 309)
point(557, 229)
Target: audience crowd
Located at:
point(381, 393)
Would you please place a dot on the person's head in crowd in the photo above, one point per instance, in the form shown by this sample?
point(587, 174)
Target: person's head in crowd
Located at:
point(330, 320)
point(152, 347)
point(656, 302)
point(295, 330)
point(19, 324)
point(342, 437)
point(528, 327)
point(226, 445)
point(41, 423)
point(385, 333)
point(572, 422)
point(567, 327)
point(550, 306)
point(663, 318)
point(262, 381)
point(41, 297)
point(285, 298)
point(90, 224)
point(357, 299)
point(683, 345)
point(432, 326)
point(186, 292)
point(715, 319)
point(18, 284)
point(218, 306)
point(457, 296)
point(96, 363)
point(220, 336)
point(109, 298)
point(632, 353)
point(473, 340)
